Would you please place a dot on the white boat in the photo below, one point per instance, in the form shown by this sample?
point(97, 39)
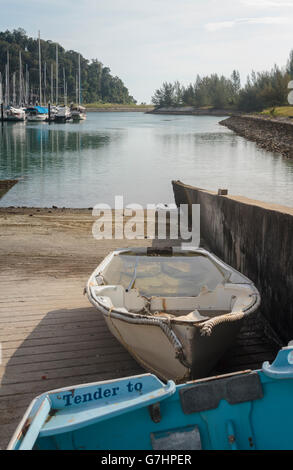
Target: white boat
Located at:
point(78, 113)
point(14, 114)
point(176, 311)
point(36, 113)
point(63, 114)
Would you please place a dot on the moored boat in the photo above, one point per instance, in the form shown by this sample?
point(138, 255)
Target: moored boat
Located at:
point(78, 113)
point(37, 113)
point(14, 114)
point(63, 114)
point(176, 311)
point(248, 410)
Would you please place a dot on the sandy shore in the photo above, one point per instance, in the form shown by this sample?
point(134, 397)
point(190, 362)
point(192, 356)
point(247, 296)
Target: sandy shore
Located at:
point(38, 239)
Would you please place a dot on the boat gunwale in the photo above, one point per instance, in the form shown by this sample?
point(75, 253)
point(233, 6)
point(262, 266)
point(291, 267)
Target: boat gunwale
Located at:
point(166, 320)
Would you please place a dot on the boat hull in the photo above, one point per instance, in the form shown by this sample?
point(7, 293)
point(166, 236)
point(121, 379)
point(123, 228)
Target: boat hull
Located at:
point(179, 347)
point(78, 117)
point(241, 411)
point(152, 349)
point(41, 118)
point(14, 119)
point(62, 119)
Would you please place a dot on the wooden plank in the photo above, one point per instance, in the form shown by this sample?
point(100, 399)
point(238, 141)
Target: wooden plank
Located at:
point(110, 356)
point(42, 386)
point(55, 355)
point(27, 378)
point(47, 348)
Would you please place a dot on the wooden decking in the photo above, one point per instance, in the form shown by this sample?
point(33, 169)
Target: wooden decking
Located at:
point(51, 339)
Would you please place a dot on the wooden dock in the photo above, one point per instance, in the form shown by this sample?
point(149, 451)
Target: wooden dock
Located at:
point(51, 338)
point(50, 335)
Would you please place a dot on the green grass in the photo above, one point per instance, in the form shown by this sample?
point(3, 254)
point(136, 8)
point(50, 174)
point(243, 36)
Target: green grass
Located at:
point(279, 111)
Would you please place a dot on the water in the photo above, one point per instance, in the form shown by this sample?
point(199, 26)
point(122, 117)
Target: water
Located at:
point(135, 155)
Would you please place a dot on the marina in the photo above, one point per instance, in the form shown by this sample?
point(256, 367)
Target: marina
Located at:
point(79, 164)
point(146, 283)
point(26, 103)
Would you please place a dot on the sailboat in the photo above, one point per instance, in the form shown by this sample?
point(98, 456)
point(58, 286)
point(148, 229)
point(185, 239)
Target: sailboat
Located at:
point(37, 113)
point(77, 111)
point(63, 112)
point(11, 113)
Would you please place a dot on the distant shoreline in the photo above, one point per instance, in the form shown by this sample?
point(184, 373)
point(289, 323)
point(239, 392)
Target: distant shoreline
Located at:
point(191, 111)
point(118, 109)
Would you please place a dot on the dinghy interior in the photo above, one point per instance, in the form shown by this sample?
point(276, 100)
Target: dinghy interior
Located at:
point(190, 286)
point(192, 293)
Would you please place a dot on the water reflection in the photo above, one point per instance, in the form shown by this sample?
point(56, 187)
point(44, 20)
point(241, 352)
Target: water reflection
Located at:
point(136, 155)
point(23, 149)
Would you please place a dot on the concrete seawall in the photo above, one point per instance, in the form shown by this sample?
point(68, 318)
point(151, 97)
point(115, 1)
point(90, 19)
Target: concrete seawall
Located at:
point(256, 239)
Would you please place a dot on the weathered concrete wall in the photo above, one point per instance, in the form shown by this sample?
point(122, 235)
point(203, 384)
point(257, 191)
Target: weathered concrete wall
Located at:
point(5, 185)
point(256, 239)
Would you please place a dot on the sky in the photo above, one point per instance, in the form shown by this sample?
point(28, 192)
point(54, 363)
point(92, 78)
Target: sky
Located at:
point(148, 42)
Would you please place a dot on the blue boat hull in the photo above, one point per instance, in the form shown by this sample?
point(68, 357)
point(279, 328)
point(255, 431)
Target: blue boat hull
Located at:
point(247, 411)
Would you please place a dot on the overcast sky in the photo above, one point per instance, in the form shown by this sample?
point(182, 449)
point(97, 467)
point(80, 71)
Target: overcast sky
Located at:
point(146, 43)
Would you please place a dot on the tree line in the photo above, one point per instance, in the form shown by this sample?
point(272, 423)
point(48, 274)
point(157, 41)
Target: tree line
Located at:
point(262, 90)
point(97, 83)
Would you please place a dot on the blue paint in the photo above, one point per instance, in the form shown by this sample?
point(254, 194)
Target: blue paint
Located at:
point(116, 415)
point(282, 367)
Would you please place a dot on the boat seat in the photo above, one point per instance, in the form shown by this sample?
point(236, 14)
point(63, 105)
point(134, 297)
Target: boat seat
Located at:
point(117, 297)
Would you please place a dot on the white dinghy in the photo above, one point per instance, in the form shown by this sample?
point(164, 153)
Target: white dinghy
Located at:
point(176, 311)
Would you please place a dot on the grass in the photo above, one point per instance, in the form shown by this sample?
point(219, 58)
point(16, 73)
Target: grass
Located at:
point(279, 111)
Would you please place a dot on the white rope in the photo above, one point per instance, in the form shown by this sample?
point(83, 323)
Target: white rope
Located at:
point(208, 326)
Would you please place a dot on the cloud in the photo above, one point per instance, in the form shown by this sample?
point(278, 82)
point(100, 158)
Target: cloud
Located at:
point(266, 3)
point(266, 20)
point(220, 25)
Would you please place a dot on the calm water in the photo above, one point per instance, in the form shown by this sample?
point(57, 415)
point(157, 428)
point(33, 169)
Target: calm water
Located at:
point(134, 155)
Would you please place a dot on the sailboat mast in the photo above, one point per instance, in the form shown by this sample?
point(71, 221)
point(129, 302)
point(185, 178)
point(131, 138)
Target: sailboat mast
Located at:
point(27, 84)
point(20, 80)
point(1, 89)
point(79, 79)
point(13, 90)
point(52, 83)
point(56, 74)
point(40, 70)
point(64, 86)
point(45, 81)
point(7, 91)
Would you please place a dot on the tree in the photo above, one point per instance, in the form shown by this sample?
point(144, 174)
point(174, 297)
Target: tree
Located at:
point(97, 83)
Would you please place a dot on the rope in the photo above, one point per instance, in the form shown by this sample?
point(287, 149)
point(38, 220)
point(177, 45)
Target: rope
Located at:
point(208, 326)
point(171, 337)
